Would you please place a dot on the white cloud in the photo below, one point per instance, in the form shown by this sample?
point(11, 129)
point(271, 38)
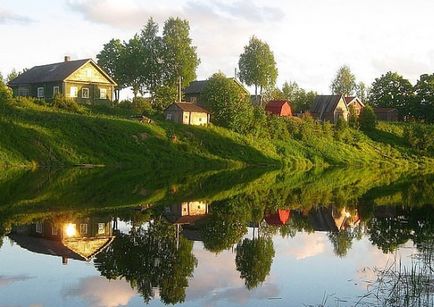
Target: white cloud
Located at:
point(7, 17)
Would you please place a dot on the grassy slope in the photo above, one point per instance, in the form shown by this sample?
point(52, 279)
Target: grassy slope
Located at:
point(33, 134)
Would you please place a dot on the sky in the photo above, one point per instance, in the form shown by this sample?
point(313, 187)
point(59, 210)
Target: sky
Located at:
point(310, 39)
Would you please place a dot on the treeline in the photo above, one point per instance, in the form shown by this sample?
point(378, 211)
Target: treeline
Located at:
point(153, 64)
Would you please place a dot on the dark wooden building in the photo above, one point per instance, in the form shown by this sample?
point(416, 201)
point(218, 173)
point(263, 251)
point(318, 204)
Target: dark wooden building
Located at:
point(81, 80)
point(386, 114)
point(193, 93)
point(329, 108)
point(279, 108)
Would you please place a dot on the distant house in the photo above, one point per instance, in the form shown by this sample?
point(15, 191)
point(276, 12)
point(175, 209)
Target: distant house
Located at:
point(82, 80)
point(187, 113)
point(356, 103)
point(279, 108)
point(329, 108)
point(187, 212)
point(194, 91)
point(79, 239)
point(386, 114)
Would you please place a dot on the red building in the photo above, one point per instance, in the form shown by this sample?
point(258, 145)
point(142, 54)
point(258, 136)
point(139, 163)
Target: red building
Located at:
point(281, 217)
point(279, 108)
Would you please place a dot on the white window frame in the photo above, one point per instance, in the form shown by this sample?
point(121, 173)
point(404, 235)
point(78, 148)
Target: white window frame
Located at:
point(169, 116)
point(102, 93)
point(73, 91)
point(85, 90)
point(56, 90)
point(41, 92)
point(38, 227)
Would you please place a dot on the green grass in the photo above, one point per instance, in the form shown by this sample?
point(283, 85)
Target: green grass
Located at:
point(38, 135)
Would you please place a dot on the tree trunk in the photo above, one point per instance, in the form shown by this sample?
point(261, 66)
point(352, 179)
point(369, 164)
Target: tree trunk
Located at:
point(256, 94)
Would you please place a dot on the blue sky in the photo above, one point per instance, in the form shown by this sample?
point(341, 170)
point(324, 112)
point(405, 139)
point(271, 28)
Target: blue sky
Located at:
point(311, 39)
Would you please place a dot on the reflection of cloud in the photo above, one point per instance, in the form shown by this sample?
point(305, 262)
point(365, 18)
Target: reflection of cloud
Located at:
point(99, 291)
point(216, 278)
point(7, 17)
point(7, 280)
point(305, 245)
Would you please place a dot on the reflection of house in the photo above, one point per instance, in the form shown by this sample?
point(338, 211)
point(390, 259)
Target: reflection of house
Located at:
point(331, 220)
point(79, 240)
point(81, 80)
point(281, 217)
point(329, 108)
point(279, 108)
point(386, 114)
point(356, 103)
point(187, 113)
point(187, 212)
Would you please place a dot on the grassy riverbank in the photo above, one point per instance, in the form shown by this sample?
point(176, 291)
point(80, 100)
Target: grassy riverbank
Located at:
point(38, 135)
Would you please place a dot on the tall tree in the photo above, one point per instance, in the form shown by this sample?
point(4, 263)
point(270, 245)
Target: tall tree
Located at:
point(12, 75)
point(152, 57)
point(257, 66)
point(133, 55)
point(392, 91)
point(423, 106)
point(229, 104)
point(362, 91)
point(180, 57)
point(111, 59)
point(344, 82)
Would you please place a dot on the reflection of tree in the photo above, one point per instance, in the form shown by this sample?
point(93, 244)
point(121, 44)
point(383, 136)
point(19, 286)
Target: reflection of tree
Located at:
point(254, 259)
point(225, 225)
point(148, 257)
point(342, 241)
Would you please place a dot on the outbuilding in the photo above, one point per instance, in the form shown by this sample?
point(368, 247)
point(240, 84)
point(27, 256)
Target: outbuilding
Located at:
point(187, 113)
point(279, 108)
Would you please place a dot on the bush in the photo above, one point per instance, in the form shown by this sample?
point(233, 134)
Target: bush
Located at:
point(368, 119)
point(420, 136)
point(69, 104)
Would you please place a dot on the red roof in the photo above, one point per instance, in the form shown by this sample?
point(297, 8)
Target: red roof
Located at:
point(281, 217)
point(279, 107)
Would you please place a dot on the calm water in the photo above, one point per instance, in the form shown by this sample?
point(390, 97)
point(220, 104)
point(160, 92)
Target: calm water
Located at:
point(241, 237)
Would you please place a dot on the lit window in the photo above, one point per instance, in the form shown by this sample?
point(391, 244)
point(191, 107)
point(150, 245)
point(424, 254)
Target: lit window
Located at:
point(56, 90)
point(73, 91)
point(101, 228)
point(85, 92)
point(103, 93)
point(40, 92)
point(83, 229)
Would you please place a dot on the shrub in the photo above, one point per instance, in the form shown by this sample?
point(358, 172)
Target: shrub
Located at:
point(69, 104)
point(353, 118)
point(294, 125)
point(420, 136)
point(368, 119)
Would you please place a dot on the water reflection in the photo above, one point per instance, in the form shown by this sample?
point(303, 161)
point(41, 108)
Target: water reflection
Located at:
point(166, 229)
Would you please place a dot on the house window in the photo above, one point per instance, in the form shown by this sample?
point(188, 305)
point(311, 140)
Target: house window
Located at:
point(83, 229)
point(54, 231)
point(56, 90)
point(39, 227)
point(73, 91)
point(23, 91)
point(40, 92)
point(103, 93)
point(101, 228)
point(169, 116)
point(84, 92)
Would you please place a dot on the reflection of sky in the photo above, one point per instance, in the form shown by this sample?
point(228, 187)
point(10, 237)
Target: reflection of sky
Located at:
point(304, 270)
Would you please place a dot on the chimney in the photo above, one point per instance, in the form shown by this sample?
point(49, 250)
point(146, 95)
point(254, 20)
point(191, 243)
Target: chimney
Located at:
point(67, 58)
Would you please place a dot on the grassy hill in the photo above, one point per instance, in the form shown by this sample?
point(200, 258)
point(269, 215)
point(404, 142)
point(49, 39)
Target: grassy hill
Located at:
point(38, 135)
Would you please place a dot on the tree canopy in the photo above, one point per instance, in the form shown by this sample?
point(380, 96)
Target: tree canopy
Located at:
point(423, 107)
point(344, 82)
point(391, 90)
point(257, 65)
